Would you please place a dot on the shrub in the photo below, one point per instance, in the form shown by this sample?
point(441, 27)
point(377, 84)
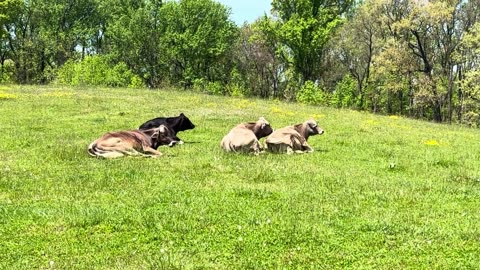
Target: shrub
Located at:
point(310, 93)
point(344, 95)
point(201, 85)
point(7, 72)
point(236, 86)
point(96, 70)
point(215, 88)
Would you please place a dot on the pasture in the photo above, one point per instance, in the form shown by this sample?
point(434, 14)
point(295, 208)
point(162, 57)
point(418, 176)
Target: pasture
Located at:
point(379, 192)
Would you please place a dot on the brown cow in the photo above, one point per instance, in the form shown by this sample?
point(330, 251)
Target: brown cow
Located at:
point(244, 137)
point(293, 139)
point(132, 142)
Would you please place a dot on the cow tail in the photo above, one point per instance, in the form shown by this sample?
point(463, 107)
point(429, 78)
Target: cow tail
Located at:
point(92, 149)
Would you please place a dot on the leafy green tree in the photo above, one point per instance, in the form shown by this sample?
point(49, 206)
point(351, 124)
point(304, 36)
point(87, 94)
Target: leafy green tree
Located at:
point(197, 39)
point(257, 59)
point(133, 37)
point(469, 91)
point(9, 11)
point(44, 35)
point(355, 45)
point(305, 26)
point(406, 56)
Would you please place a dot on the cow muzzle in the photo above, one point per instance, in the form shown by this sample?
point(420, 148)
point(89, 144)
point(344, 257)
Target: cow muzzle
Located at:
point(172, 143)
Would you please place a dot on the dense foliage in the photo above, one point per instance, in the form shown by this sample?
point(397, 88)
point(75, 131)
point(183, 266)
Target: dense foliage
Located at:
point(414, 58)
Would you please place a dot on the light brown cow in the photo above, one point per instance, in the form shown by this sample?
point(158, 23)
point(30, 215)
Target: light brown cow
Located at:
point(244, 137)
point(132, 142)
point(293, 139)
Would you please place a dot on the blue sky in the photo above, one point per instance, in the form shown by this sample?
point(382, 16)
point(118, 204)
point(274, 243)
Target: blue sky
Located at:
point(246, 10)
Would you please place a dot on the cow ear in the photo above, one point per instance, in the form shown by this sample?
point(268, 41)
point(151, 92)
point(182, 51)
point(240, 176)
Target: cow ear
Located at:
point(160, 129)
point(181, 114)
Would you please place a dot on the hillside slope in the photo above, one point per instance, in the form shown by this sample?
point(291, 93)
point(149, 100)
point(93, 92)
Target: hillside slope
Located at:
point(379, 192)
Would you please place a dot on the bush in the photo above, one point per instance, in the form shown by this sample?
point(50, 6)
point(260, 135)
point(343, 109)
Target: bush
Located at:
point(236, 86)
point(215, 88)
point(96, 70)
point(344, 95)
point(201, 85)
point(310, 93)
point(7, 73)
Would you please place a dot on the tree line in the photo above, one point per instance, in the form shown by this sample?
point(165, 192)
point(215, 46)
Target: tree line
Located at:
point(418, 58)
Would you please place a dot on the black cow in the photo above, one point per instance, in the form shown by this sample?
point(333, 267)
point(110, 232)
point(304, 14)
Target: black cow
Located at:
point(176, 124)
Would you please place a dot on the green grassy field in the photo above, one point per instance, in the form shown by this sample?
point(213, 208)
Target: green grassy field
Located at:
point(379, 192)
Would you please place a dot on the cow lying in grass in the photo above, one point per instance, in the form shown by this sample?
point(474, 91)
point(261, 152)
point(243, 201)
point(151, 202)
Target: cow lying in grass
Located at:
point(244, 137)
point(293, 138)
point(176, 124)
point(132, 143)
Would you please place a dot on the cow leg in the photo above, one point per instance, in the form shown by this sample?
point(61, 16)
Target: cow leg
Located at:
point(255, 148)
point(306, 148)
point(110, 154)
point(150, 152)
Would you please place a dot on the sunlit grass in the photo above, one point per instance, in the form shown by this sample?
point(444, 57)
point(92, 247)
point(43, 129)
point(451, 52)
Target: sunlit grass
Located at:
point(379, 192)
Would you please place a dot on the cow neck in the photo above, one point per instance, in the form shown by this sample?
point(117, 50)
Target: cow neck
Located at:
point(144, 137)
point(253, 127)
point(302, 129)
point(173, 122)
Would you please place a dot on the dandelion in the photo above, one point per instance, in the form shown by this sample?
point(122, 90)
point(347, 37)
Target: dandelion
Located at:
point(243, 104)
point(276, 110)
point(431, 142)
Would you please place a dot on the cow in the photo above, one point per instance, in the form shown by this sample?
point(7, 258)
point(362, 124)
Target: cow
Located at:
point(175, 123)
point(293, 139)
point(132, 142)
point(244, 137)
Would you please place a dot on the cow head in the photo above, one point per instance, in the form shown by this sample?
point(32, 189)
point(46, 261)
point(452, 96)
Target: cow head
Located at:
point(162, 136)
point(182, 123)
point(262, 128)
point(311, 128)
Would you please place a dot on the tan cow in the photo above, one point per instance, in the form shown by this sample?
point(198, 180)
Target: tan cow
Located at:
point(293, 139)
point(132, 142)
point(244, 137)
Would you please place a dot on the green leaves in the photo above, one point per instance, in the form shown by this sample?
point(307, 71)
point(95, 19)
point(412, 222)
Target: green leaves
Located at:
point(305, 27)
point(197, 36)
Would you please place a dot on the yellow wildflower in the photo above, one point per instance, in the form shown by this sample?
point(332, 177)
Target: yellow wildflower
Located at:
point(431, 142)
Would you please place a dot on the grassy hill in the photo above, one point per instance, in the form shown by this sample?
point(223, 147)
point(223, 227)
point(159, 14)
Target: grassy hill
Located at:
point(379, 192)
